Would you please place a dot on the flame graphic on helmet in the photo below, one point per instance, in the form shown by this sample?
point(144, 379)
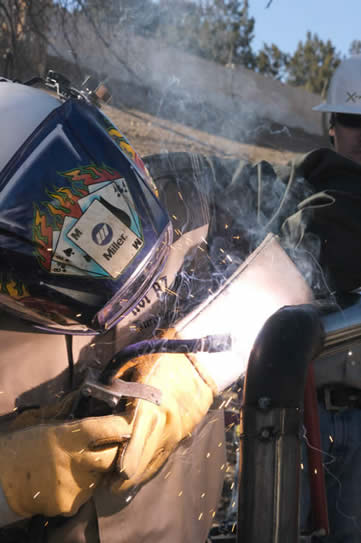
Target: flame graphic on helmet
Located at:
point(63, 202)
point(13, 288)
point(123, 143)
point(42, 235)
point(88, 175)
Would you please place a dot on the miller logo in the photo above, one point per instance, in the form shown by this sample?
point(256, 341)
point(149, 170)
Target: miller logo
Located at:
point(102, 234)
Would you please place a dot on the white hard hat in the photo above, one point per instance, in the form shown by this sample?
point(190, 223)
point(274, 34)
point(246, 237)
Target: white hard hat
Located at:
point(344, 93)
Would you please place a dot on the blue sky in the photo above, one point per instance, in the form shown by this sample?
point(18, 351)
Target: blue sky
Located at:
point(286, 22)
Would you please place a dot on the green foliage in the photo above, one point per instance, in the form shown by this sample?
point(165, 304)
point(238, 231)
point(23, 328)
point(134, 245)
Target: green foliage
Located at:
point(219, 30)
point(312, 64)
point(138, 16)
point(272, 62)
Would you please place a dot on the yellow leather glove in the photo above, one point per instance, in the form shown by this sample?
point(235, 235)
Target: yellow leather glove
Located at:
point(187, 394)
point(58, 411)
point(54, 468)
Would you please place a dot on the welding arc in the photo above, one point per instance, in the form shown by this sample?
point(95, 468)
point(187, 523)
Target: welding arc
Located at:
point(209, 344)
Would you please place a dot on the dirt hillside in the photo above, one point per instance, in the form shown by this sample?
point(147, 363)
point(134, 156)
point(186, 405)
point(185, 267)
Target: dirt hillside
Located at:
point(150, 134)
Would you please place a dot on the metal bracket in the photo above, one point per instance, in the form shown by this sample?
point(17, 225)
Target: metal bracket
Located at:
point(112, 394)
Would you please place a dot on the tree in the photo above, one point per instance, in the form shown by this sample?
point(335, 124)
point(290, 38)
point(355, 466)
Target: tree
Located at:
point(218, 30)
point(23, 35)
point(271, 61)
point(312, 64)
point(355, 47)
point(227, 32)
point(138, 16)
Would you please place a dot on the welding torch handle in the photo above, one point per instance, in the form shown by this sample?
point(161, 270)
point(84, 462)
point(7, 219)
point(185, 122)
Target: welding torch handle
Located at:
point(209, 344)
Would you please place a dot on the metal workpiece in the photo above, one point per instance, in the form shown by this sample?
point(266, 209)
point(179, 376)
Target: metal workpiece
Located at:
point(289, 340)
point(342, 320)
point(340, 360)
point(269, 480)
point(271, 422)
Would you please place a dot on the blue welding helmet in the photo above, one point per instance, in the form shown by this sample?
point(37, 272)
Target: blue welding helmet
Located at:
point(83, 235)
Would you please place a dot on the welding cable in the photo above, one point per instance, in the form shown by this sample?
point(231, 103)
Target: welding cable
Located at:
point(209, 344)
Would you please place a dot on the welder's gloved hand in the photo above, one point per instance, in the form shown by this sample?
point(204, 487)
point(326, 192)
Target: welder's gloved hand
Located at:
point(59, 410)
point(53, 469)
point(187, 393)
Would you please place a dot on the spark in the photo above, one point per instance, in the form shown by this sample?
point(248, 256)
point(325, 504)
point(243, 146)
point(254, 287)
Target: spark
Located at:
point(170, 291)
point(167, 475)
point(229, 258)
point(233, 504)
point(46, 523)
point(213, 514)
point(315, 471)
point(76, 430)
point(222, 250)
point(202, 495)
point(208, 454)
point(174, 217)
point(200, 516)
point(232, 485)
point(236, 237)
point(302, 466)
point(222, 467)
point(36, 494)
point(233, 527)
point(180, 195)
point(330, 438)
point(350, 353)
point(81, 451)
point(222, 404)
point(226, 226)
point(180, 493)
point(91, 485)
point(220, 444)
point(128, 498)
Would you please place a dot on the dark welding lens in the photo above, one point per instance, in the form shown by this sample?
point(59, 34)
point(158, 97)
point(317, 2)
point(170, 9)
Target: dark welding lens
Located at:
point(349, 120)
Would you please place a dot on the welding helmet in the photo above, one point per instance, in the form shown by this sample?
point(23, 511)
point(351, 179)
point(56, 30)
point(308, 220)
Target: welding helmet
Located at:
point(83, 235)
point(344, 93)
